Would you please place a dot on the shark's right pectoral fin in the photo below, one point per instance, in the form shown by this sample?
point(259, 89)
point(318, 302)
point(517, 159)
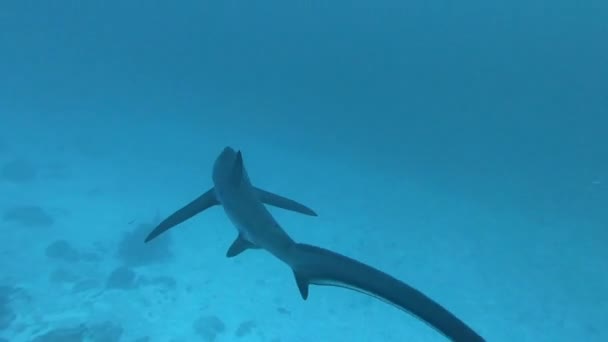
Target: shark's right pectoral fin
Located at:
point(283, 202)
point(197, 206)
point(239, 245)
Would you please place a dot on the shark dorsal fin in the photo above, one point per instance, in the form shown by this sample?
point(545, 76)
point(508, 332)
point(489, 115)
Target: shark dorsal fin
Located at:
point(237, 168)
point(239, 245)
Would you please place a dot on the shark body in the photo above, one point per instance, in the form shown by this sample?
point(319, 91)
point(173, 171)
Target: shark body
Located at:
point(257, 229)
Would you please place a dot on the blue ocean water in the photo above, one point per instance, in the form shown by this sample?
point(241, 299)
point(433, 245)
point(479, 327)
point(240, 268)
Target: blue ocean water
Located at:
point(460, 147)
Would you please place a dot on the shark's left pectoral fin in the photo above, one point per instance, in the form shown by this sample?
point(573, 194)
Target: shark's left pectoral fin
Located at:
point(239, 245)
point(203, 202)
point(303, 284)
point(283, 202)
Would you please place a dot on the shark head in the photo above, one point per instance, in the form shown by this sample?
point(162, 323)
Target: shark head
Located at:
point(227, 168)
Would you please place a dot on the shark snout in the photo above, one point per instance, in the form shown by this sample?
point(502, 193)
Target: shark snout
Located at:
point(228, 151)
point(227, 157)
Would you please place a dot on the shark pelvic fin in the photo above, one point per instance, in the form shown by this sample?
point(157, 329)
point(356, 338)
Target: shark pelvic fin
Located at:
point(239, 245)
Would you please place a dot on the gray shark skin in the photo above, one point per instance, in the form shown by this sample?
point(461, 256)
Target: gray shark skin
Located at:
point(257, 229)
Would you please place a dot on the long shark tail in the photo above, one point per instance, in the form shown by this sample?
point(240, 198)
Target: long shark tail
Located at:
point(319, 266)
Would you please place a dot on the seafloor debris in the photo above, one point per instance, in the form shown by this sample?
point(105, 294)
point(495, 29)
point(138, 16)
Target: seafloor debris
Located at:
point(209, 327)
point(122, 278)
point(7, 315)
point(133, 252)
point(18, 171)
point(31, 216)
point(62, 250)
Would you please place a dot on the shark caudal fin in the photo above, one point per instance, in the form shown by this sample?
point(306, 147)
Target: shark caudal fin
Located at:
point(319, 266)
point(197, 206)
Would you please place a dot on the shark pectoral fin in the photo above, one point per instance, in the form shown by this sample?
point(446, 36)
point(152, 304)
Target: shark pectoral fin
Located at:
point(302, 283)
point(283, 202)
point(239, 245)
point(203, 202)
